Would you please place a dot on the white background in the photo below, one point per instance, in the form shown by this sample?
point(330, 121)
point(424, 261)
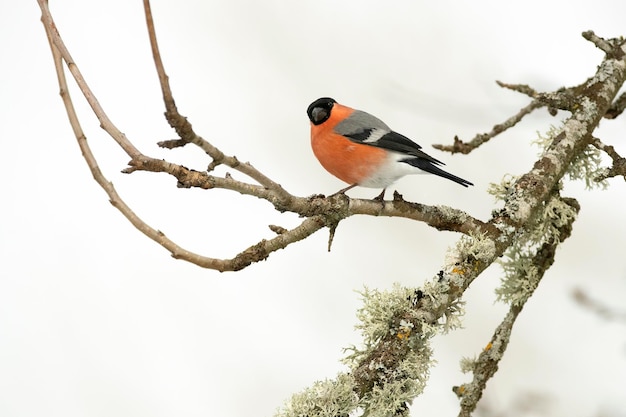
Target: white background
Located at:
point(96, 320)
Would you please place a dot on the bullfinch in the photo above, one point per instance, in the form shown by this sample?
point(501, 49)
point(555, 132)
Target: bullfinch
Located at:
point(362, 150)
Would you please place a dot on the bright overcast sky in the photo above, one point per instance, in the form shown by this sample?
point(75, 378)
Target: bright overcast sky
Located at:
point(97, 320)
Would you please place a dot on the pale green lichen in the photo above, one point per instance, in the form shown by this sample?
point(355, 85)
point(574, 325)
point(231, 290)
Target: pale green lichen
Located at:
point(452, 214)
point(520, 278)
point(520, 273)
point(379, 310)
point(328, 398)
point(502, 190)
point(545, 140)
point(584, 166)
point(408, 381)
point(517, 207)
point(398, 313)
point(467, 364)
point(477, 246)
point(453, 309)
point(394, 312)
point(452, 316)
point(557, 214)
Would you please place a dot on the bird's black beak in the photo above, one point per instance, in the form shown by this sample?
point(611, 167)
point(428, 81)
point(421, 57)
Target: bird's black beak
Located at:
point(318, 115)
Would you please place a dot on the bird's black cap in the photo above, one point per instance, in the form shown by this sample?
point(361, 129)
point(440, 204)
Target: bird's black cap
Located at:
point(319, 110)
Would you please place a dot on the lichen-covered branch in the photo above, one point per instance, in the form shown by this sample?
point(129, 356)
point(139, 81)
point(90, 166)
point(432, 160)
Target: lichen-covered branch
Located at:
point(392, 366)
point(526, 264)
point(412, 316)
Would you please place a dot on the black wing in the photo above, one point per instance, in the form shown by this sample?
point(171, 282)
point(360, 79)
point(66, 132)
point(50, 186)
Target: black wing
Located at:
point(392, 141)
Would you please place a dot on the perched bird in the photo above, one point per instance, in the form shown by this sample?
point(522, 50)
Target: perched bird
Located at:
point(360, 149)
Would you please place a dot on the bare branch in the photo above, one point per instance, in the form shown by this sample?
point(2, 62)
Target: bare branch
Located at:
point(439, 217)
point(185, 130)
point(337, 206)
point(466, 147)
point(598, 307)
point(173, 143)
point(105, 122)
point(520, 88)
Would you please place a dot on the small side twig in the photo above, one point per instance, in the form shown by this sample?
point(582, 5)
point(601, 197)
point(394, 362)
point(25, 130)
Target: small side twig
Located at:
point(520, 88)
point(172, 143)
point(597, 307)
point(599, 42)
point(619, 163)
point(466, 147)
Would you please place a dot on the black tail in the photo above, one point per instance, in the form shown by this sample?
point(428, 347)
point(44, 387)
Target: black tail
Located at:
point(428, 166)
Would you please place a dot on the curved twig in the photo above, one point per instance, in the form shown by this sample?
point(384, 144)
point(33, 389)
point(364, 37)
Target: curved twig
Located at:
point(466, 147)
point(619, 163)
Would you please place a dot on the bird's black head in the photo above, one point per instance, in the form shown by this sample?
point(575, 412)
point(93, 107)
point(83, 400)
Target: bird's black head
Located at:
point(319, 110)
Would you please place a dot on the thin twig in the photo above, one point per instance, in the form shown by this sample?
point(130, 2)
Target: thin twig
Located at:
point(185, 130)
point(466, 147)
point(520, 88)
point(62, 50)
point(619, 162)
point(597, 306)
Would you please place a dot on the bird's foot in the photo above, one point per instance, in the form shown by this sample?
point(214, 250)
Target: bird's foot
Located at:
point(343, 190)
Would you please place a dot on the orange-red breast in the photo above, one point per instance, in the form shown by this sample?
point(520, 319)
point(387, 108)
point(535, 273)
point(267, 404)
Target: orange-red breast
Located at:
point(362, 150)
